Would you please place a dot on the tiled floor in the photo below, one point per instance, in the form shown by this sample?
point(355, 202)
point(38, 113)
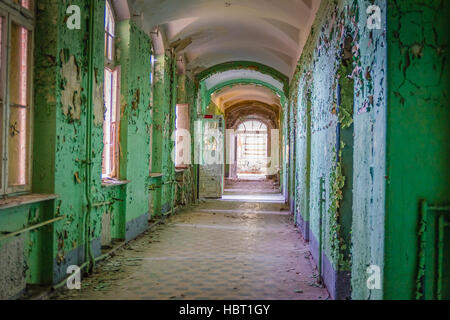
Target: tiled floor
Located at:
point(217, 250)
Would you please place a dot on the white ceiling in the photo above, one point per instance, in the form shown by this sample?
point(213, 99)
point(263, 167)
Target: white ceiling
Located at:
point(271, 32)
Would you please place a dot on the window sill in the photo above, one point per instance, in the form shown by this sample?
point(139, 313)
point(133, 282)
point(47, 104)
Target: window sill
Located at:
point(109, 183)
point(156, 175)
point(32, 198)
point(179, 170)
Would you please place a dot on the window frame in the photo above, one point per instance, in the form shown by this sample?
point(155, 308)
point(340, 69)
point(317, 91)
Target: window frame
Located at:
point(110, 62)
point(115, 173)
point(111, 66)
point(186, 127)
point(13, 14)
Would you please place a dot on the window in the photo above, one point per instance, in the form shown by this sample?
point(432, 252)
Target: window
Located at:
point(15, 98)
point(27, 4)
point(252, 148)
point(253, 127)
point(183, 141)
point(110, 26)
point(110, 167)
point(152, 78)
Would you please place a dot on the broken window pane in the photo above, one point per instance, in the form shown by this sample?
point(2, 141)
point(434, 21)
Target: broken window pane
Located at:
point(19, 108)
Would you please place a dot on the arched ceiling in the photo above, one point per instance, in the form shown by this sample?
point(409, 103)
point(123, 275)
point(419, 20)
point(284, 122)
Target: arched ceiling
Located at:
point(231, 75)
point(231, 96)
point(211, 32)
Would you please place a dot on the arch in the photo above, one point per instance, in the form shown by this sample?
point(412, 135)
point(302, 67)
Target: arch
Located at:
point(232, 83)
point(245, 110)
point(246, 65)
point(234, 92)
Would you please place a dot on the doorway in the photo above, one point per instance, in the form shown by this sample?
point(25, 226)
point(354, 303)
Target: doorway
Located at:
point(252, 150)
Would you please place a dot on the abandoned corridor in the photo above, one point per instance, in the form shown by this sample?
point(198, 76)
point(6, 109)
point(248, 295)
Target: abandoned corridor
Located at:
point(119, 114)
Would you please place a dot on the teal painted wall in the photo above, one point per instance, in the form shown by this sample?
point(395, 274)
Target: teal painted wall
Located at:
point(316, 83)
point(418, 155)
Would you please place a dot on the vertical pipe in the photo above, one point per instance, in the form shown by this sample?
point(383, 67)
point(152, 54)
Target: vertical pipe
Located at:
point(338, 127)
point(440, 266)
point(322, 200)
point(420, 291)
point(173, 102)
point(90, 103)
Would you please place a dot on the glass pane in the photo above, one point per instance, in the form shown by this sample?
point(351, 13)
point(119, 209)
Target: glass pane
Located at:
point(1, 48)
point(1, 97)
point(26, 4)
point(107, 125)
point(19, 65)
point(110, 48)
point(109, 32)
point(18, 119)
point(110, 124)
point(106, 16)
point(1, 58)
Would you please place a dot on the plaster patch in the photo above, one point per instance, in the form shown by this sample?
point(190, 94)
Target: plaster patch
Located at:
point(99, 104)
point(71, 94)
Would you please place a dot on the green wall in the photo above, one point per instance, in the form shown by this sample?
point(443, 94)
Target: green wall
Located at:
point(134, 52)
point(61, 120)
point(313, 97)
point(418, 139)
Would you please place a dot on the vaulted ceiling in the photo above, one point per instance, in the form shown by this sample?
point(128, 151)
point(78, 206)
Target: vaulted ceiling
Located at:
point(228, 97)
point(210, 32)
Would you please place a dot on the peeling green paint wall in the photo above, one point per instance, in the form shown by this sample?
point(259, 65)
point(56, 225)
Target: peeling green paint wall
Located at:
point(162, 131)
point(134, 56)
point(315, 83)
point(60, 125)
point(60, 139)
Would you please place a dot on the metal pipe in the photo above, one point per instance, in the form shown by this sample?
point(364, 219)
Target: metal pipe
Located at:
point(339, 125)
point(440, 277)
point(36, 226)
point(90, 105)
point(422, 248)
point(322, 200)
point(103, 204)
point(173, 113)
point(439, 208)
